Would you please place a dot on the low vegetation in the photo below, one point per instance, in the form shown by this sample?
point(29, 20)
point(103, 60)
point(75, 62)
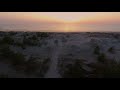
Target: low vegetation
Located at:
point(111, 50)
point(101, 57)
point(32, 66)
point(97, 50)
point(4, 76)
point(31, 41)
point(42, 35)
point(74, 70)
point(69, 67)
point(7, 40)
point(56, 42)
point(107, 69)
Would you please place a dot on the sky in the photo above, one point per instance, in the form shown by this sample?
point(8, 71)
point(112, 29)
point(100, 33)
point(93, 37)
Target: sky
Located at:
point(60, 21)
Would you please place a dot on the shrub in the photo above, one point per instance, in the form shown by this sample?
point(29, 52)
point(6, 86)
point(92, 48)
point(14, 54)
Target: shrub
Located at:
point(6, 52)
point(64, 39)
point(34, 37)
point(56, 42)
point(42, 34)
point(108, 69)
point(97, 50)
point(29, 41)
point(7, 40)
point(31, 66)
point(101, 57)
point(116, 36)
point(4, 76)
point(111, 50)
point(19, 44)
point(45, 43)
point(46, 61)
point(75, 70)
point(12, 33)
point(18, 59)
point(44, 67)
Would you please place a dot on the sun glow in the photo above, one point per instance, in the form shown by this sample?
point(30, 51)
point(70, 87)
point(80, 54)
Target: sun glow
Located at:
point(61, 21)
point(68, 27)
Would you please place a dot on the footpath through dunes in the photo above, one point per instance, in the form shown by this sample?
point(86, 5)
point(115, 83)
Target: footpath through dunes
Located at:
point(53, 71)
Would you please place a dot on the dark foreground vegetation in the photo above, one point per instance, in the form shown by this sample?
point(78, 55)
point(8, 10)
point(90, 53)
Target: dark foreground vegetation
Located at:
point(68, 67)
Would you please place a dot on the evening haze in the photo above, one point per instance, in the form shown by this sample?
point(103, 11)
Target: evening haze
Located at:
point(60, 21)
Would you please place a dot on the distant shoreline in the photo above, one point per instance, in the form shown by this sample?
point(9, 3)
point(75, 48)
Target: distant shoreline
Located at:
point(58, 32)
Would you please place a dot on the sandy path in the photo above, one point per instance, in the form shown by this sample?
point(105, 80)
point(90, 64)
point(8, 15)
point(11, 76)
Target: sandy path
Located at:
point(53, 72)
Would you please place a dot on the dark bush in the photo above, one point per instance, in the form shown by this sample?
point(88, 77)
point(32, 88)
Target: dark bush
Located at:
point(56, 42)
point(12, 33)
point(4, 76)
point(116, 36)
point(106, 69)
point(101, 57)
point(34, 37)
point(19, 44)
point(111, 50)
point(42, 34)
point(97, 50)
point(6, 52)
point(44, 67)
point(18, 59)
point(75, 70)
point(7, 40)
point(31, 66)
point(30, 42)
point(64, 39)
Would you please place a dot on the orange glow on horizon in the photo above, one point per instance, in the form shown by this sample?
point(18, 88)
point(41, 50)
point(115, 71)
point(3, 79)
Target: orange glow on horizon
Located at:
point(61, 21)
point(63, 17)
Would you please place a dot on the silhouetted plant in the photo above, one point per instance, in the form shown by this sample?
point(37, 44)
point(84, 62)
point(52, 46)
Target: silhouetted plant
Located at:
point(45, 43)
point(42, 34)
point(56, 42)
point(31, 66)
point(12, 33)
point(44, 67)
point(7, 40)
point(116, 36)
point(20, 44)
point(64, 39)
point(34, 37)
point(106, 69)
point(46, 61)
point(28, 41)
point(97, 50)
point(75, 70)
point(111, 50)
point(67, 36)
point(36, 68)
point(6, 52)
point(23, 46)
point(18, 62)
point(46, 64)
point(4, 76)
point(101, 57)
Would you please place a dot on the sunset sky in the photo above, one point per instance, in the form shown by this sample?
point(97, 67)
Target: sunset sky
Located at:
point(60, 21)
